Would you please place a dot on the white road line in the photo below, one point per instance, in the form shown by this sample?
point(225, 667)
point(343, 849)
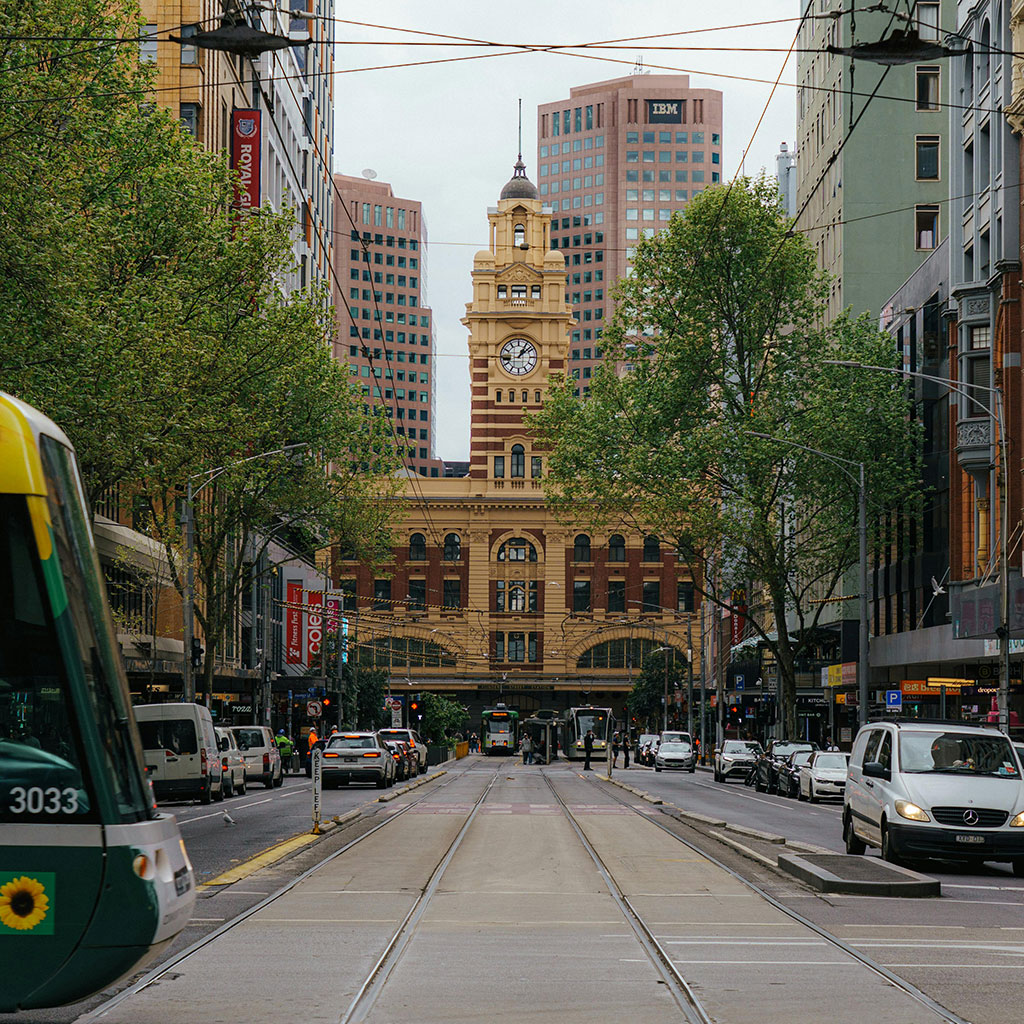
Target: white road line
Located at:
point(744, 942)
point(779, 963)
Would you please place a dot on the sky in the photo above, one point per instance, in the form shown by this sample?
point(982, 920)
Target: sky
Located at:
point(445, 134)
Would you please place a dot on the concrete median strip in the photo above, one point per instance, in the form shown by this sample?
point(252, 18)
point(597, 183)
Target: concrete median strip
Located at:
point(863, 876)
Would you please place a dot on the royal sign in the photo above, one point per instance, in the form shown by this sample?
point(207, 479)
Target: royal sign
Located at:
point(664, 111)
point(246, 137)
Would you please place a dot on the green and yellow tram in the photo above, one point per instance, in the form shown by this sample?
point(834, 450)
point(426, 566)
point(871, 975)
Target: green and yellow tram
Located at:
point(92, 877)
point(499, 730)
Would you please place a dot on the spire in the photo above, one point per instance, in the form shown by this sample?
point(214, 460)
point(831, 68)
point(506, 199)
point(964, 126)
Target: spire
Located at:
point(520, 186)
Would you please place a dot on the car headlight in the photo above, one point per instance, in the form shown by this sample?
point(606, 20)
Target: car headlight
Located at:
point(1018, 821)
point(905, 809)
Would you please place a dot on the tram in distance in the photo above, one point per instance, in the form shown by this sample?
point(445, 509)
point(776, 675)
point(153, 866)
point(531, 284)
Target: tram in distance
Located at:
point(92, 877)
point(577, 723)
point(499, 728)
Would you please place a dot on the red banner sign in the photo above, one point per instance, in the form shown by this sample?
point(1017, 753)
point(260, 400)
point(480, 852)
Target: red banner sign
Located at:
point(246, 138)
point(293, 625)
point(314, 624)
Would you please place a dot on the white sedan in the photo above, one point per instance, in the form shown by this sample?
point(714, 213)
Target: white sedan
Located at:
point(824, 775)
point(675, 755)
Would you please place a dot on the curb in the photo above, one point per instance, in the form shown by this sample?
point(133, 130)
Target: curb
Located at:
point(901, 881)
point(745, 850)
point(753, 833)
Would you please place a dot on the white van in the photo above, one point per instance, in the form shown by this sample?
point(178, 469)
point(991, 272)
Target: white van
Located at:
point(261, 754)
point(919, 789)
point(181, 751)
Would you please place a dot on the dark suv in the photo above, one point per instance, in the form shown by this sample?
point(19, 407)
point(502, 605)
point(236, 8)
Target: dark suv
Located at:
point(766, 771)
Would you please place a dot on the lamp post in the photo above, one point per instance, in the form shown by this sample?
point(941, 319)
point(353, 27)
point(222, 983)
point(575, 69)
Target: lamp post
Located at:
point(664, 706)
point(188, 690)
point(964, 389)
point(862, 544)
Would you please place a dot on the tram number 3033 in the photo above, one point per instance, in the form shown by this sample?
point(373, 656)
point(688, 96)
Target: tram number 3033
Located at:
point(36, 800)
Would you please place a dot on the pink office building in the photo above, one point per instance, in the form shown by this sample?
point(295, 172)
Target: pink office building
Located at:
point(385, 330)
point(615, 161)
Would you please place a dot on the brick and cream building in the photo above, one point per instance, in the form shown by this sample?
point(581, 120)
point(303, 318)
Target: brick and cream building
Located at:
point(487, 595)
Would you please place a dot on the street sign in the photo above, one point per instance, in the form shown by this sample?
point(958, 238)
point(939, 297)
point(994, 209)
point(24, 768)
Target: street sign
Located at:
point(318, 777)
point(314, 709)
point(893, 700)
point(740, 683)
point(396, 716)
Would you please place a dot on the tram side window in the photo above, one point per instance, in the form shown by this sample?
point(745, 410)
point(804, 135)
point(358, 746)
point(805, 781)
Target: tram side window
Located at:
point(44, 776)
point(92, 629)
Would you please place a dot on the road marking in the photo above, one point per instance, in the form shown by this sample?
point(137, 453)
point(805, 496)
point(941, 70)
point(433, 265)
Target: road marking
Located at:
point(744, 942)
point(782, 963)
point(261, 860)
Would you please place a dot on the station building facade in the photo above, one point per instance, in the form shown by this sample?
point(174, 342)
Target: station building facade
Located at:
point(488, 596)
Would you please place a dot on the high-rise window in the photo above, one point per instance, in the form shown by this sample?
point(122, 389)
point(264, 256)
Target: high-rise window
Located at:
point(189, 114)
point(189, 51)
point(148, 44)
point(928, 88)
point(927, 157)
point(926, 226)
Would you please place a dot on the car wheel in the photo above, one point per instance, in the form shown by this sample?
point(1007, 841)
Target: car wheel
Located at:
point(1018, 868)
point(758, 785)
point(241, 787)
point(800, 793)
point(279, 781)
point(382, 783)
point(693, 768)
point(268, 780)
point(888, 853)
point(657, 768)
point(227, 787)
point(855, 846)
point(219, 795)
point(207, 796)
point(810, 794)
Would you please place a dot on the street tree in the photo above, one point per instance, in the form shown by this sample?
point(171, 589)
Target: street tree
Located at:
point(442, 717)
point(719, 335)
point(648, 693)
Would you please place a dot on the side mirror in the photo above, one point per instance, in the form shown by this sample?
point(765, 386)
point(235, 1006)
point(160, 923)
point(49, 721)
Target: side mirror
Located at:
point(875, 770)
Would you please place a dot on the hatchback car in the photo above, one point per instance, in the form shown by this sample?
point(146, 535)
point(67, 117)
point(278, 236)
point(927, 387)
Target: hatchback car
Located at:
point(736, 757)
point(949, 790)
point(232, 763)
point(824, 775)
point(357, 757)
point(675, 755)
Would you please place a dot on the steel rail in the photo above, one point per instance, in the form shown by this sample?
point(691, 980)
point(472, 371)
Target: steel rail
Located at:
point(883, 972)
point(378, 976)
point(160, 970)
point(673, 979)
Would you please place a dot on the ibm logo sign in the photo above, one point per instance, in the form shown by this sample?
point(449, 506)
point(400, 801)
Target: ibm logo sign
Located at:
point(664, 111)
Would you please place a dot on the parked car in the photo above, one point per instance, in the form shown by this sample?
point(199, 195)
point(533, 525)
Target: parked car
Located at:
point(675, 736)
point(180, 749)
point(400, 758)
point(766, 770)
point(232, 763)
point(789, 772)
point(412, 758)
point(646, 746)
point(925, 789)
point(413, 737)
point(357, 757)
point(824, 775)
point(675, 754)
point(262, 758)
point(736, 757)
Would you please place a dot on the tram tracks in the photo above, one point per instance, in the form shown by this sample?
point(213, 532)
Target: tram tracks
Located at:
point(167, 967)
point(941, 1012)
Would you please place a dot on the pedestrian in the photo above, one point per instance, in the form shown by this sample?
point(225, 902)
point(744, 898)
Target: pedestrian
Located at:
point(625, 749)
point(287, 747)
point(615, 748)
point(527, 748)
point(474, 743)
point(588, 749)
point(311, 743)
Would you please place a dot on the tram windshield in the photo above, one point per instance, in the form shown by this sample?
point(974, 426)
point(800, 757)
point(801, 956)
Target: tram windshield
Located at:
point(90, 629)
point(43, 772)
point(502, 726)
point(597, 721)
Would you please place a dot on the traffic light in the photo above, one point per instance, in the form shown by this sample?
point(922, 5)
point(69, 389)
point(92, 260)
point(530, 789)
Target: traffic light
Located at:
point(414, 705)
point(197, 653)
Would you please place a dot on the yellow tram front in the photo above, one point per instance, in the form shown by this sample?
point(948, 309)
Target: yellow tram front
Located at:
point(92, 877)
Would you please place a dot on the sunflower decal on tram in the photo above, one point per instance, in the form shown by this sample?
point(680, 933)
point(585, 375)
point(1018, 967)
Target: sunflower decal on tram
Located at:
point(25, 904)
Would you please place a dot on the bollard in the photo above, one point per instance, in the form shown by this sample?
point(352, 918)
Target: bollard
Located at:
point(318, 777)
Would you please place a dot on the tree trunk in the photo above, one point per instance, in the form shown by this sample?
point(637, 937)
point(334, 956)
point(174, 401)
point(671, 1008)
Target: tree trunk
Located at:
point(785, 669)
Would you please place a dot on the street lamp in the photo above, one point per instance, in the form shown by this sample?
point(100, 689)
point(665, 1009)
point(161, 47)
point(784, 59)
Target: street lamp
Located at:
point(1002, 480)
point(664, 710)
point(188, 690)
point(862, 533)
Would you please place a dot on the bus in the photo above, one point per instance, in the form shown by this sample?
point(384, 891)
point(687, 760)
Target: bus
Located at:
point(580, 720)
point(499, 729)
point(93, 878)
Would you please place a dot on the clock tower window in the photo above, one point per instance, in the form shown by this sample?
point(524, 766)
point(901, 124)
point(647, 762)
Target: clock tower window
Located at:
point(519, 236)
point(518, 463)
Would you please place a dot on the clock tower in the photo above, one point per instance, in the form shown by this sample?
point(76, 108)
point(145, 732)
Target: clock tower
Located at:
point(519, 323)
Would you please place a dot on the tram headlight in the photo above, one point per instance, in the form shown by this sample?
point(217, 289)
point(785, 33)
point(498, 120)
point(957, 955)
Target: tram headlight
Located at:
point(144, 867)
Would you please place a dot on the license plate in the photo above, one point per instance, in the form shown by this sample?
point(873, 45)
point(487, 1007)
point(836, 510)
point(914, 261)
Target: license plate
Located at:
point(181, 881)
point(970, 839)
point(351, 760)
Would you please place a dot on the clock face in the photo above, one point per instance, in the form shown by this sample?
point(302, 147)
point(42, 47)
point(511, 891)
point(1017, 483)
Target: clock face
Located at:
point(518, 356)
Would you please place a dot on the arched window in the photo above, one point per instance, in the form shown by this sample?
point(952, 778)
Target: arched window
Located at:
point(984, 54)
point(969, 74)
point(536, 397)
point(497, 395)
point(517, 598)
point(519, 235)
point(518, 549)
point(452, 548)
point(581, 548)
point(526, 397)
point(616, 548)
point(652, 549)
point(417, 548)
point(517, 464)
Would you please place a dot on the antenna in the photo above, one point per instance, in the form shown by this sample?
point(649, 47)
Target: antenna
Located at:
point(520, 127)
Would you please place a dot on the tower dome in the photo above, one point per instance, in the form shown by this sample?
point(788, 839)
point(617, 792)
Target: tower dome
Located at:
point(519, 185)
